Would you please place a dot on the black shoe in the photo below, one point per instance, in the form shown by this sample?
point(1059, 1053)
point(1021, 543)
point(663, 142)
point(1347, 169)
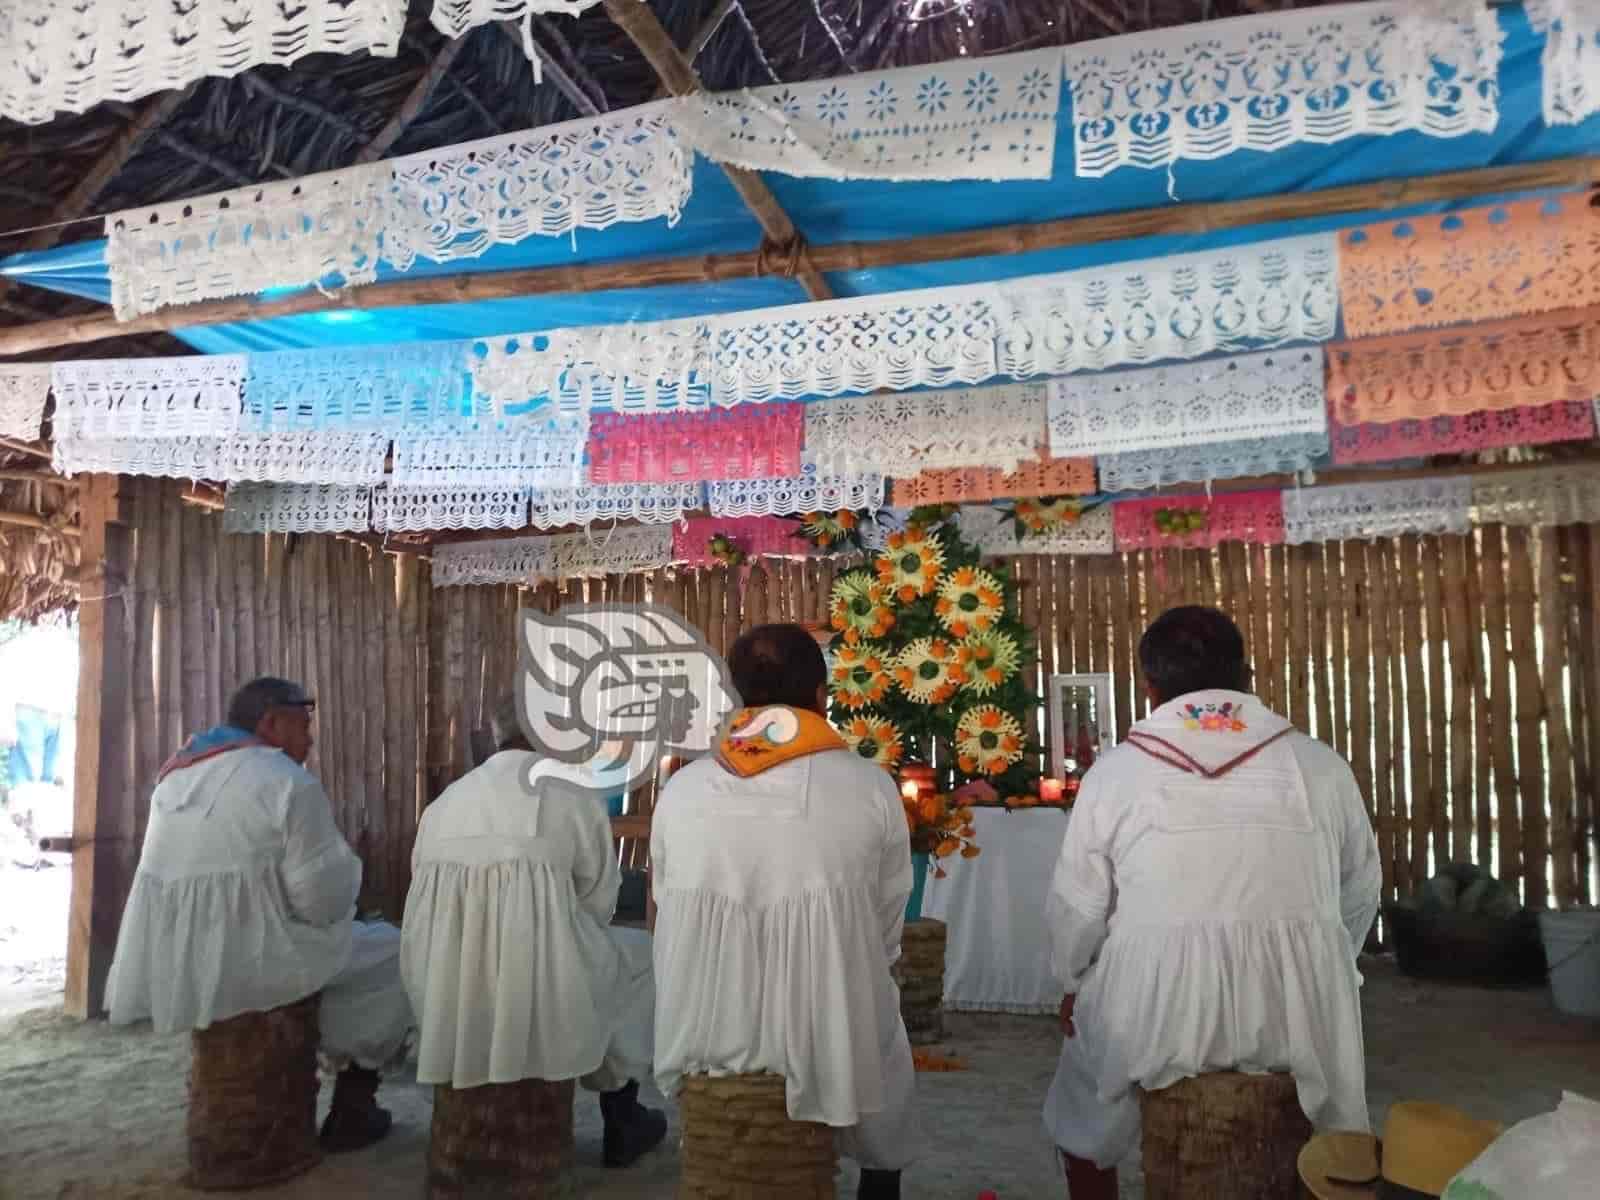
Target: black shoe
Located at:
point(631, 1129)
point(355, 1121)
point(879, 1185)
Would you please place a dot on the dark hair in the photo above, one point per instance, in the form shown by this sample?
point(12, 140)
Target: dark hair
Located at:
point(777, 664)
point(257, 698)
point(1193, 649)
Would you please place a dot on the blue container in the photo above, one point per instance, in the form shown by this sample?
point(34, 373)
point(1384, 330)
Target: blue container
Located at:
point(614, 803)
point(919, 880)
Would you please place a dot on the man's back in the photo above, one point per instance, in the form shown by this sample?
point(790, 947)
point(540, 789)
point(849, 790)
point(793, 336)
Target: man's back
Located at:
point(243, 895)
point(780, 901)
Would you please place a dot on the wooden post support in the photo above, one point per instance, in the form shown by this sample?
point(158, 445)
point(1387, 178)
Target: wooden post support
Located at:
point(103, 853)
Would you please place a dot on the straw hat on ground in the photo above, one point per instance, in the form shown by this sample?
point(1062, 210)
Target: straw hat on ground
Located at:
point(1423, 1148)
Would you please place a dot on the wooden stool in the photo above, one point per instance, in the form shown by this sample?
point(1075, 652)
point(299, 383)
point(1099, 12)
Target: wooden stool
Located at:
point(1223, 1136)
point(739, 1143)
point(920, 973)
point(253, 1098)
point(500, 1140)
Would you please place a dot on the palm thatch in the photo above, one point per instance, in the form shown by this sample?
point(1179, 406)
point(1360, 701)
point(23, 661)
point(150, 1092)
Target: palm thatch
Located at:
point(38, 563)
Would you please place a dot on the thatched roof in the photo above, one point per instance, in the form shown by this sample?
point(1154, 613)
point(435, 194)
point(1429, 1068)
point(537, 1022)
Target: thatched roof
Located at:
point(331, 111)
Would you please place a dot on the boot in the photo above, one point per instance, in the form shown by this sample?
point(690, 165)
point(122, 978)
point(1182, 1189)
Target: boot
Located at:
point(355, 1121)
point(879, 1185)
point(631, 1129)
point(1085, 1181)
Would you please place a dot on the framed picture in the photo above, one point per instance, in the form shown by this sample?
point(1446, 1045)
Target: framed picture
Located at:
point(1082, 722)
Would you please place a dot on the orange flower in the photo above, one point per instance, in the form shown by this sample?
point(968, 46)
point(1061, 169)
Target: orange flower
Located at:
point(846, 518)
point(968, 764)
point(970, 852)
point(947, 847)
point(930, 808)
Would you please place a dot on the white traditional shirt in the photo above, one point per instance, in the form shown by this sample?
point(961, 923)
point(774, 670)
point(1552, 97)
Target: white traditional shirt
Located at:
point(507, 951)
point(244, 896)
point(1211, 923)
point(780, 903)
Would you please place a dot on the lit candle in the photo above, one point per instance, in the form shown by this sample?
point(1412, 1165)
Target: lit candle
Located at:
point(1050, 791)
point(908, 789)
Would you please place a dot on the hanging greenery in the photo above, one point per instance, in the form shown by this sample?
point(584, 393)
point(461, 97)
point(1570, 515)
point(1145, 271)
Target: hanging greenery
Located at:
point(930, 654)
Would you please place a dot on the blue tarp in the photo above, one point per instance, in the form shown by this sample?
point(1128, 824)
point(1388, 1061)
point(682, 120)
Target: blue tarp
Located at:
point(715, 221)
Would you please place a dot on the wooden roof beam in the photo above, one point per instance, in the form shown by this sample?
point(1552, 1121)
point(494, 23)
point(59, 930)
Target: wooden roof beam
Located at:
point(702, 38)
point(1565, 173)
point(416, 99)
point(564, 83)
point(676, 72)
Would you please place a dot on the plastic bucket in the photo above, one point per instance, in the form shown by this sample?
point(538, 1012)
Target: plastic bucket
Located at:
point(1572, 946)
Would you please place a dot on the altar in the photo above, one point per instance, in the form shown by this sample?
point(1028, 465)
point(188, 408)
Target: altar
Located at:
point(998, 955)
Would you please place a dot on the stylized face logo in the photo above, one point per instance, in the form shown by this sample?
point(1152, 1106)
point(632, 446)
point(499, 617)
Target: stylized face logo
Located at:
point(607, 689)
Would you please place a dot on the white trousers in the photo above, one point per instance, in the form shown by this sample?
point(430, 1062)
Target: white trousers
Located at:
point(365, 1014)
point(1079, 1120)
point(633, 1036)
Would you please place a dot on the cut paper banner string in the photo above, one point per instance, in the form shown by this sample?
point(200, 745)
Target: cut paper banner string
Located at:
point(196, 395)
point(456, 17)
point(1529, 425)
point(23, 390)
point(538, 454)
point(1140, 470)
point(296, 508)
point(417, 386)
point(322, 457)
point(901, 433)
point(809, 491)
point(1479, 264)
point(1043, 476)
point(332, 229)
point(68, 57)
point(591, 503)
point(1504, 364)
point(557, 556)
point(1247, 396)
point(733, 443)
point(1317, 75)
point(1198, 522)
point(1562, 495)
point(420, 509)
point(1182, 306)
point(755, 537)
point(1385, 508)
point(1571, 64)
point(970, 118)
point(994, 534)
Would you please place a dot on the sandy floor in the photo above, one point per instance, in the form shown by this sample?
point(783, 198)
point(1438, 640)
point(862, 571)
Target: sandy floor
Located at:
point(90, 1111)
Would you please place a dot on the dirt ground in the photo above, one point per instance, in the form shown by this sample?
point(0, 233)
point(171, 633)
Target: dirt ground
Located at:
point(88, 1111)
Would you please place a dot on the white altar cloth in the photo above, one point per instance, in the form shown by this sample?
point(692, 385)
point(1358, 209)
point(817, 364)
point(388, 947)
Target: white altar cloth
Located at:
point(997, 958)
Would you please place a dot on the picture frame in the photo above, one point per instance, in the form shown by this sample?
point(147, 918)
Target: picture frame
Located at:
point(1071, 702)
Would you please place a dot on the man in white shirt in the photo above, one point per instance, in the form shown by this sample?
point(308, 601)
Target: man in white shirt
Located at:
point(509, 954)
point(781, 869)
point(245, 901)
point(1217, 881)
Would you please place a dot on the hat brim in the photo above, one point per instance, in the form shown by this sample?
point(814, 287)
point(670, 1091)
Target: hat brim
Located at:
point(1329, 1159)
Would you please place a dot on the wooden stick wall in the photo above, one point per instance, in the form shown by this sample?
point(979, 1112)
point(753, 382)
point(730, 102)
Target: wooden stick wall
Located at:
point(1459, 675)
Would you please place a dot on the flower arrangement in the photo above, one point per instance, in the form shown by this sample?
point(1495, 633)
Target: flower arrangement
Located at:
point(947, 630)
point(969, 601)
point(910, 567)
point(830, 531)
point(988, 740)
point(722, 548)
point(874, 739)
point(1179, 522)
point(1041, 516)
point(859, 608)
point(988, 660)
point(860, 675)
point(939, 827)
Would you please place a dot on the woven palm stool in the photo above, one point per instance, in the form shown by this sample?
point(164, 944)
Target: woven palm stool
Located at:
point(500, 1140)
point(739, 1143)
point(920, 974)
point(253, 1098)
point(1223, 1136)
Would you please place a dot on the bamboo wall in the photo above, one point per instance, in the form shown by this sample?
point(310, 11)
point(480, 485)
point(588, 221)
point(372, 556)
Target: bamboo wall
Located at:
point(209, 611)
point(1459, 675)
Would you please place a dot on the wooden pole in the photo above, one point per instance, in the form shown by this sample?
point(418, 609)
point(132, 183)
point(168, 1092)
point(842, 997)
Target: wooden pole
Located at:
point(1482, 737)
point(1463, 683)
point(1383, 655)
point(1297, 561)
point(1433, 603)
point(1338, 634)
point(104, 852)
point(1554, 662)
point(1357, 607)
point(840, 256)
point(1521, 601)
point(1589, 801)
point(1496, 626)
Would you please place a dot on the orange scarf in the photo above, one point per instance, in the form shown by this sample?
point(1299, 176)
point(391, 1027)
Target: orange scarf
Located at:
point(758, 739)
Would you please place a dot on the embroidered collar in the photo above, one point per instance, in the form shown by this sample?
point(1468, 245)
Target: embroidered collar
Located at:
point(758, 739)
